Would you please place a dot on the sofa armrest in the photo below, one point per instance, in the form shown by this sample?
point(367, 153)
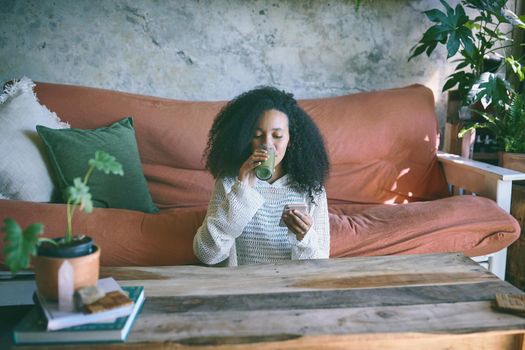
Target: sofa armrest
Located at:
point(469, 176)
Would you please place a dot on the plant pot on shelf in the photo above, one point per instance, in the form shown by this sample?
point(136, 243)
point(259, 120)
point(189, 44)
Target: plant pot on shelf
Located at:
point(86, 271)
point(514, 161)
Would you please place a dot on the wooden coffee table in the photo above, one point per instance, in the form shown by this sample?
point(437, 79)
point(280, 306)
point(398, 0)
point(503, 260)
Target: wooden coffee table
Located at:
point(426, 302)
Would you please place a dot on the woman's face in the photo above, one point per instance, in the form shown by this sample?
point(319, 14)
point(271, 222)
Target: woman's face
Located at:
point(272, 130)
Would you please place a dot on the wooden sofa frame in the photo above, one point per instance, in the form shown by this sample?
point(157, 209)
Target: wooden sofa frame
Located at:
point(469, 177)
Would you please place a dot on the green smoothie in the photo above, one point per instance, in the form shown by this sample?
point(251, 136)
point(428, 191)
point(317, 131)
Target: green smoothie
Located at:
point(265, 170)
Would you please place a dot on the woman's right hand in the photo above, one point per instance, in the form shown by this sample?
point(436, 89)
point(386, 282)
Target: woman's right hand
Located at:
point(246, 172)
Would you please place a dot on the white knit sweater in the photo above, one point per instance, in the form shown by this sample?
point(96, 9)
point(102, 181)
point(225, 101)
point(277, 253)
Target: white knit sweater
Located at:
point(242, 225)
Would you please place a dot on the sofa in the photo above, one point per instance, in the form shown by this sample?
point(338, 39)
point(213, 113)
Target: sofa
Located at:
point(390, 191)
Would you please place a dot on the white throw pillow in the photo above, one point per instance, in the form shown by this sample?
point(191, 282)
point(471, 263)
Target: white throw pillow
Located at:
point(24, 172)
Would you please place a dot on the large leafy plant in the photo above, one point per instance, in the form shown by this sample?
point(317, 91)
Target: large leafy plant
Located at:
point(20, 245)
point(471, 42)
point(507, 123)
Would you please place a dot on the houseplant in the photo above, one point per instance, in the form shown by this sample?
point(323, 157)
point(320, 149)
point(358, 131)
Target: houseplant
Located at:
point(485, 66)
point(506, 121)
point(20, 244)
point(478, 44)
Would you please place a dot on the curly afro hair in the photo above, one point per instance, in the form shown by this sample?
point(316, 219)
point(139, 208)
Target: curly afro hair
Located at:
point(229, 142)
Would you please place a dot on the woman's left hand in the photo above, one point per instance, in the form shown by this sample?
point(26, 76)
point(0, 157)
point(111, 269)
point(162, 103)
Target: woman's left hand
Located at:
point(298, 222)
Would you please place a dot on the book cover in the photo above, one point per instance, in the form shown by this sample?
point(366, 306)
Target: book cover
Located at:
point(57, 319)
point(32, 328)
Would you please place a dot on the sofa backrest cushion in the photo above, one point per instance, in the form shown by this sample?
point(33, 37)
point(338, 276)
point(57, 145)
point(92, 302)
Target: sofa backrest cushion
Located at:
point(382, 145)
point(171, 135)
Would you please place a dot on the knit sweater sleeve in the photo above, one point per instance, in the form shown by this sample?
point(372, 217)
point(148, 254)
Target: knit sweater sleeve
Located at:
point(232, 206)
point(316, 242)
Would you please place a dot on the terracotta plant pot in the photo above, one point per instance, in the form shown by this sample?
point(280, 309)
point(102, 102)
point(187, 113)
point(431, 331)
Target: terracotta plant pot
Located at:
point(86, 272)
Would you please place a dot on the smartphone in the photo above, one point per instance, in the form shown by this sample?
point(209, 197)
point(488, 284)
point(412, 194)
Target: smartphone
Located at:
point(298, 206)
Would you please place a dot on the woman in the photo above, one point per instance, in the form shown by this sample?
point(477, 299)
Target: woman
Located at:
point(242, 222)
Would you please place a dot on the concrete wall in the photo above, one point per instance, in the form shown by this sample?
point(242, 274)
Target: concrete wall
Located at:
point(205, 50)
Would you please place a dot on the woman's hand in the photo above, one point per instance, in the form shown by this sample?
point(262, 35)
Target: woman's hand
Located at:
point(298, 222)
point(246, 172)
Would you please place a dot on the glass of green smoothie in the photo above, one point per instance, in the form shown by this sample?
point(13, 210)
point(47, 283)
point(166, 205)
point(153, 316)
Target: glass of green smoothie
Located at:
point(266, 169)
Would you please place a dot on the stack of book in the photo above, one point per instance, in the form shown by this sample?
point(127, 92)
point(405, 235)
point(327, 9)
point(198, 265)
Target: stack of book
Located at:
point(45, 323)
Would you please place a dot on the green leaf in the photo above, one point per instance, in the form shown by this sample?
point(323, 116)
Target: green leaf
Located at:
point(472, 25)
point(436, 16)
point(435, 33)
point(460, 14)
point(491, 89)
point(493, 34)
point(449, 9)
point(20, 245)
point(452, 45)
point(78, 194)
point(465, 81)
point(431, 48)
point(462, 65)
point(515, 66)
point(429, 40)
point(106, 163)
point(465, 36)
point(451, 29)
point(466, 129)
point(417, 50)
point(449, 84)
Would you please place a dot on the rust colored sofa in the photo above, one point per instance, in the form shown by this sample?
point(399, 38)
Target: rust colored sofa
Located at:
point(388, 191)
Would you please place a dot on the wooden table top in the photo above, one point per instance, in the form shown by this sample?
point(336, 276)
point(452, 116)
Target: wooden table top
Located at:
point(394, 302)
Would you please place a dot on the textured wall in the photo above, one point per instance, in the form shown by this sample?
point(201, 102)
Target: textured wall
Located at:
point(217, 49)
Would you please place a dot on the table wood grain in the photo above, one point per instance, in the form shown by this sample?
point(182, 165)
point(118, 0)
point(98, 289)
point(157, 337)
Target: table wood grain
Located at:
point(432, 301)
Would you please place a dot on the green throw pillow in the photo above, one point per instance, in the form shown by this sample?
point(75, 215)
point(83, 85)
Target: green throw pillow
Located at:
point(70, 149)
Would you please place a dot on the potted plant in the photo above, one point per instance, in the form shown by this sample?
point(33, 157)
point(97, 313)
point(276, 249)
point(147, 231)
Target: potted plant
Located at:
point(478, 44)
point(506, 122)
point(50, 253)
point(481, 46)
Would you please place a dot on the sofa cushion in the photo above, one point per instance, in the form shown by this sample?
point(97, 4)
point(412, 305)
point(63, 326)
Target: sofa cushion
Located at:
point(171, 135)
point(382, 144)
point(472, 225)
point(24, 172)
point(126, 237)
point(70, 149)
